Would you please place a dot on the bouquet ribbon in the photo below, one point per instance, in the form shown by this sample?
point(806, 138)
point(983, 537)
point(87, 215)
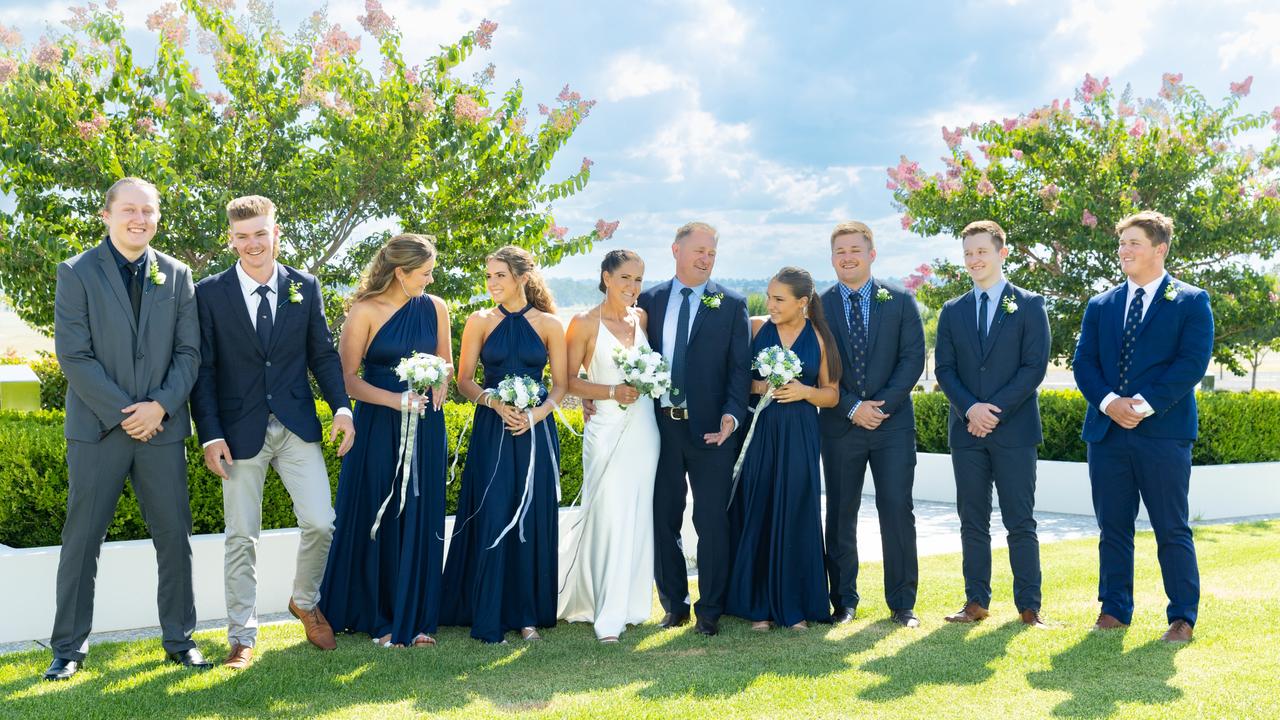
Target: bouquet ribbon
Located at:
point(751, 431)
point(406, 467)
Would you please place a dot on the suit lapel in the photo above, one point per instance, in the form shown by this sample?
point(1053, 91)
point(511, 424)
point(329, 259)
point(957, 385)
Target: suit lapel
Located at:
point(998, 322)
point(283, 307)
point(701, 311)
point(111, 276)
point(874, 329)
point(1113, 312)
point(658, 318)
point(968, 310)
point(836, 318)
point(150, 291)
point(235, 305)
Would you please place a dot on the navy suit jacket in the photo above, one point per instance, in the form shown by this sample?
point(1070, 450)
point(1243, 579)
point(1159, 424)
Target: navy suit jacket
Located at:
point(239, 383)
point(1172, 352)
point(895, 361)
point(718, 369)
point(1006, 371)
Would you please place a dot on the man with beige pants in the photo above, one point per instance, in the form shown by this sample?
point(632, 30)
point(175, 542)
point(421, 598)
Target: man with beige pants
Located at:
point(262, 327)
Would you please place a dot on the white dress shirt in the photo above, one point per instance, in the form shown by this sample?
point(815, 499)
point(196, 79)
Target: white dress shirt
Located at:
point(1148, 294)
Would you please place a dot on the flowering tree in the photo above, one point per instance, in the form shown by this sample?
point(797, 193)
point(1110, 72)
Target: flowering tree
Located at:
point(1057, 180)
point(298, 119)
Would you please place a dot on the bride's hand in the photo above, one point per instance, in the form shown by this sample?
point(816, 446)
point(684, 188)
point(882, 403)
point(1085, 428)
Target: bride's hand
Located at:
point(625, 394)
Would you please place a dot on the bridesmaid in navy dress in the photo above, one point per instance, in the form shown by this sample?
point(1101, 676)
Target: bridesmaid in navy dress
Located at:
point(778, 576)
point(510, 585)
point(389, 586)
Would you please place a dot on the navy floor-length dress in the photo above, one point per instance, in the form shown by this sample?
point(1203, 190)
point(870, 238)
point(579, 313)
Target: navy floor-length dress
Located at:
point(389, 584)
point(778, 572)
point(513, 585)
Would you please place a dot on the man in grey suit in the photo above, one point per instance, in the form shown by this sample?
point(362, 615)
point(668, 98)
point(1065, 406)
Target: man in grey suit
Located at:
point(128, 340)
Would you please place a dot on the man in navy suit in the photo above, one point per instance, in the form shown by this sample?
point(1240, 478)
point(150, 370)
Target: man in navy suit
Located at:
point(881, 342)
point(992, 353)
point(1144, 345)
point(702, 330)
point(262, 327)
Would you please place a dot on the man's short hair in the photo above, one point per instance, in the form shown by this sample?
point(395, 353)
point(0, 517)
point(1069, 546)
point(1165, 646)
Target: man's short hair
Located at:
point(690, 228)
point(249, 207)
point(978, 227)
point(122, 182)
point(1157, 226)
point(853, 227)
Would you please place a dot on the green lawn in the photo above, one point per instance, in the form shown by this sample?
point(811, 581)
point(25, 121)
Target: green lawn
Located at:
point(867, 669)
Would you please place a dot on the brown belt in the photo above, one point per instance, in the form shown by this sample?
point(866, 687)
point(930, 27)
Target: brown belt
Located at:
point(676, 413)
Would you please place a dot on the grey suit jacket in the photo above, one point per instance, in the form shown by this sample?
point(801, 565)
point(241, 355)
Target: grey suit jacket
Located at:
point(112, 361)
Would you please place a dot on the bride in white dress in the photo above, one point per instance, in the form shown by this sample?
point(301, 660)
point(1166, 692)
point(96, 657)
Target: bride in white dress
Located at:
point(606, 558)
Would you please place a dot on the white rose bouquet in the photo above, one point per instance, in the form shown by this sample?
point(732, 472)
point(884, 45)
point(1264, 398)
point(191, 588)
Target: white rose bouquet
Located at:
point(422, 371)
point(643, 369)
point(520, 391)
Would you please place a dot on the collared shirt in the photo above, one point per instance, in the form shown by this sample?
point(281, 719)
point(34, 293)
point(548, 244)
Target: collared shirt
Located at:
point(864, 304)
point(249, 290)
point(127, 267)
point(672, 319)
point(1149, 292)
point(994, 293)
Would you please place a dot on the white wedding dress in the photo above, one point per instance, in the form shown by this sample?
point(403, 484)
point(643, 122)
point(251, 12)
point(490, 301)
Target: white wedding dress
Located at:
point(606, 558)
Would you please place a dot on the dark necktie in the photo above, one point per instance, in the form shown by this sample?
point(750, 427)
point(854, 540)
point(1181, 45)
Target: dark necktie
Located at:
point(858, 340)
point(1131, 322)
point(682, 346)
point(135, 288)
point(982, 319)
point(264, 316)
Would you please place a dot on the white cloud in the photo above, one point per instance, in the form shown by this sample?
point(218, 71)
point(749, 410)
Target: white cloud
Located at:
point(695, 137)
point(1258, 39)
point(632, 75)
point(1101, 36)
point(713, 23)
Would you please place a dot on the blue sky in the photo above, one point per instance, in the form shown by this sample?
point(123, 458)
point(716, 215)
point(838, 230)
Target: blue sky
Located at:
point(776, 120)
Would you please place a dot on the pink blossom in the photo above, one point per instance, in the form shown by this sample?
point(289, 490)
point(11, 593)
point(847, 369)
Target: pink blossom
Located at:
point(906, 174)
point(907, 221)
point(219, 98)
point(557, 230)
point(568, 96)
point(171, 24)
point(146, 126)
point(1124, 109)
point(1271, 192)
point(411, 75)
point(8, 68)
point(586, 164)
point(1092, 88)
point(1010, 124)
point(517, 123)
point(47, 54)
point(952, 138)
point(467, 110)
point(1272, 297)
point(1066, 107)
point(985, 188)
point(1242, 88)
point(79, 19)
point(1049, 191)
point(912, 283)
point(950, 186)
point(376, 21)
point(1170, 85)
point(229, 112)
point(1275, 115)
point(1219, 146)
point(543, 109)
point(605, 230)
point(1088, 219)
point(890, 185)
point(1139, 127)
point(10, 37)
point(426, 102)
point(334, 44)
point(925, 270)
point(974, 128)
point(160, 105)
point(484, 33)
point(90, 129)
point(986, 150)
point(1017, 154)
point(196, 82)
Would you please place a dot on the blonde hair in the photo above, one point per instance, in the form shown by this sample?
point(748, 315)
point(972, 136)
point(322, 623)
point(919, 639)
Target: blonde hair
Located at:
point(249, 207)
point(135, 181)
point(690, 228)
point(854, 227)
point(406, 251)
point(522, 264)
point(1157, 226)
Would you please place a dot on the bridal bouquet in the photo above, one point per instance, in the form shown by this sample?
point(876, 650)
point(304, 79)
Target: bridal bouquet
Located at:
point(643, 369)
point(778, 366)
point(421, 372)
point(520, 391)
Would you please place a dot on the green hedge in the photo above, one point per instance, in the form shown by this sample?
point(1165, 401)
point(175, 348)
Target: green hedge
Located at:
point(33, 480)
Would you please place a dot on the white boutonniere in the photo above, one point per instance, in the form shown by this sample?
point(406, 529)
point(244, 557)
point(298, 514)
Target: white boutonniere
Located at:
point(157, 277)
point(883, 295)
point(713, 301)
point(295, 292)
point(1010, 306)
point(1170, 291)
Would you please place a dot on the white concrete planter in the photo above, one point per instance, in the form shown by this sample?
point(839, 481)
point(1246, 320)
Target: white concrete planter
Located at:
point(1217, 491)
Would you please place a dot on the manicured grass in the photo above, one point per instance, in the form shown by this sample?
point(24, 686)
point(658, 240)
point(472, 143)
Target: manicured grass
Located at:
point(867, 669)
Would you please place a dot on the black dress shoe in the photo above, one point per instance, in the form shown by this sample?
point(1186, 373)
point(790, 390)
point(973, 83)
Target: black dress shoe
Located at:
point(905, 618)
point(189, 658)
point(842, 615)
point(61, 669)
point(671, 620)
point(708, 627)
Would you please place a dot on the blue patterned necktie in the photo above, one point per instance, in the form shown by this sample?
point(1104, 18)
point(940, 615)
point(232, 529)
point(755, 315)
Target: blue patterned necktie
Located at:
point(682, 345)
point(858, 340)
point(1131, 322)
point(264, 316)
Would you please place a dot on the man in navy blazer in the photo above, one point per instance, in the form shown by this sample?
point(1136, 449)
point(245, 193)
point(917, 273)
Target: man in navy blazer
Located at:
point(992, 353)
point(262, 327)
point(881, 342)
point(702, 330)
point(1144, 345)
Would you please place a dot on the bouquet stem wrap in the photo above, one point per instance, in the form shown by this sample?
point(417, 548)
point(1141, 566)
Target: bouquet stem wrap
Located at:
point(406, 468)
point(746, 443)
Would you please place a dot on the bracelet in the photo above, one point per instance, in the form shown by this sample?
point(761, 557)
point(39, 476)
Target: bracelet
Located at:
point(484, 399)
point(612, 388)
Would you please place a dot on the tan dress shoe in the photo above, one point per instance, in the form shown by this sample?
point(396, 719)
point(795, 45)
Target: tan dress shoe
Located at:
point(316, 627)
point(1108, 622)
point(1031, 618)
point(971, 612)
point(239, 657)
point(1179, 632)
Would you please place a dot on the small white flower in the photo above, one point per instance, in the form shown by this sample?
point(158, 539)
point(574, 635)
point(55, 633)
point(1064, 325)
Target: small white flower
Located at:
point(1010, 306)
point(713, 301)
point(295, 292)
point(1170, 291)
point(157, 278)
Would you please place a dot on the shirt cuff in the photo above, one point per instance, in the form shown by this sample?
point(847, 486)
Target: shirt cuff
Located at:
point(342, 411)
point(854, 409)
point(735, 421)
point(210, 442)
point(1107, 401)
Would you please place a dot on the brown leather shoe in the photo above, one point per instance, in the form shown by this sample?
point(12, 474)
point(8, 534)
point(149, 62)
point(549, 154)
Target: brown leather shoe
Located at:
point(1031, 618)
point(317, 628)
point(1108, 622)
point(1179, 632)
point(971, 612)
point(239, 657)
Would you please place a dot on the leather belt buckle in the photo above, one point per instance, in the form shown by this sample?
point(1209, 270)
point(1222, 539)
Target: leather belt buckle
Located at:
point(676, 413)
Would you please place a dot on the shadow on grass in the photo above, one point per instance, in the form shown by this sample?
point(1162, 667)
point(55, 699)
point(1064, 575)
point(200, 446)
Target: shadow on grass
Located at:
point(1100, 675)
point(946, 656)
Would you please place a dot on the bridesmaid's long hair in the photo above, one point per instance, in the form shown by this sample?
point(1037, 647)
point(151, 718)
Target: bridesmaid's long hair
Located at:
point(522, 264)
point(406, 251)
point(800, 282)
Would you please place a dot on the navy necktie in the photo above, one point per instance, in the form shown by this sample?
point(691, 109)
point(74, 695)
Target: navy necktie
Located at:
point(858, 341)
point(1131, 322)
point(982, 318)
point(682, 346)
point(264, 316)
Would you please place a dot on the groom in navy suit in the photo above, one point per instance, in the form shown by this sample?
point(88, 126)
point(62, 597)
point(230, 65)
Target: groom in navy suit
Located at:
point(1144, 345)
point(992, 353)
point(262, 327)
point(702, 330)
